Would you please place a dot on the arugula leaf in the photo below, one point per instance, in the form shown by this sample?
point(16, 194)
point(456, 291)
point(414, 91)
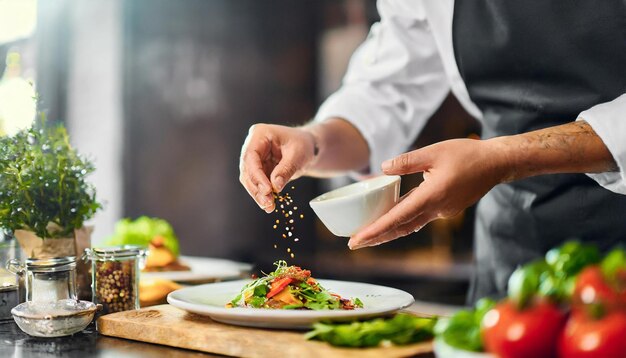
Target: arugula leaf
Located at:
point(358, 303)
point(235, 301)
point(256, 302)
point(261, 290)
point(293, 307)
point(401, 329)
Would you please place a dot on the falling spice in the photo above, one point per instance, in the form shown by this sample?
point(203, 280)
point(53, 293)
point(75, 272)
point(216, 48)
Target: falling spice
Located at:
point(287, 213)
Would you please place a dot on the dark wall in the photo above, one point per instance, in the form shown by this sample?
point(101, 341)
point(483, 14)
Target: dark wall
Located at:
point(197, 75)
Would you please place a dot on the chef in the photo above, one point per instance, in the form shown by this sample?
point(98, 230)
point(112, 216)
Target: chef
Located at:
point(546, 80)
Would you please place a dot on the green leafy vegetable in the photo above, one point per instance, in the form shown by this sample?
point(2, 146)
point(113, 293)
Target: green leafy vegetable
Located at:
point(552, 277)
point(141, 231)
point(525, 281)
point(306, 293)
point(358, 303)
point(570, 258)
point(401, 329)
point(613, 262)
point(463, 329)
point(43, 186)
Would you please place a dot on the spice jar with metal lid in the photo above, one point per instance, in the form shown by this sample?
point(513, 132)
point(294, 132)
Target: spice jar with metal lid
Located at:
point(115, 276)
point(47, 280)
point(9, 288)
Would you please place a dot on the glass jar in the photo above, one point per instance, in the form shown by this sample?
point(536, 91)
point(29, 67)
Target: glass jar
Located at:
point(115, 276)
point(47, 280)
point(9, 288)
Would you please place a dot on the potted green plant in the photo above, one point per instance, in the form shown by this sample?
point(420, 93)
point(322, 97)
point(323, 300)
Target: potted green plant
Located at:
point(45, 197)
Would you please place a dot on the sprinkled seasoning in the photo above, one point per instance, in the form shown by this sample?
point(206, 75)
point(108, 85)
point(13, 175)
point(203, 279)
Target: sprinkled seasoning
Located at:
point(287, 214)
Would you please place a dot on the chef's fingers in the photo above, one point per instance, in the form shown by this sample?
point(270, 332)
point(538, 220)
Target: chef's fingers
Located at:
point(407, 163)
point(396, 232)
point(265, 202)
point(252, 173)
point(412, 205)
point(291, 161)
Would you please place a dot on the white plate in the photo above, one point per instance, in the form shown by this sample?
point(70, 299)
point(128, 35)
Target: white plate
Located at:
point(210, 299)
point(203, 269)
point(443, 350)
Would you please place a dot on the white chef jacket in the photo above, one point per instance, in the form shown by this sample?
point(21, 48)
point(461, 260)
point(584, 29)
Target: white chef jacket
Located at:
point(404, 70)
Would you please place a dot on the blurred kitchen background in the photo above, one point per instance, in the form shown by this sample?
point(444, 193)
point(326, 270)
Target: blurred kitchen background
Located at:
point(161, 94)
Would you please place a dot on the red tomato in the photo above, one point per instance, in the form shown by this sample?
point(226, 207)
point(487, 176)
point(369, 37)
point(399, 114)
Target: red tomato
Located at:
point(532, 332)
point(278, 285)
point(592, 289)
point(584, 337)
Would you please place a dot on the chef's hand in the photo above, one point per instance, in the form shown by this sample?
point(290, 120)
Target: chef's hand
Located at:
point(457, 173)
point(271, 156)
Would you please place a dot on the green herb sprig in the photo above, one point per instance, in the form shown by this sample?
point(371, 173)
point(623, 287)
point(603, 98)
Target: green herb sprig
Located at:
point(43, 186)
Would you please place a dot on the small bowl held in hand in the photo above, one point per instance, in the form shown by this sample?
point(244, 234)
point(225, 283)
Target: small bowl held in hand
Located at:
point(54, 319)
point(348, 209)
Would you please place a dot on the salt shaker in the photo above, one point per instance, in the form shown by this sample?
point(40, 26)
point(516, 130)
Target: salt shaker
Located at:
point(47, 280)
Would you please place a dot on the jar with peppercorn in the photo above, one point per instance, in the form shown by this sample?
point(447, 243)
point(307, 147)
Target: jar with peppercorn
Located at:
point(115, 276)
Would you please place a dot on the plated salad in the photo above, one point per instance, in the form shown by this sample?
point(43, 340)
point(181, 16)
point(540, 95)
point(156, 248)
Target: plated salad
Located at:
point(290, 287)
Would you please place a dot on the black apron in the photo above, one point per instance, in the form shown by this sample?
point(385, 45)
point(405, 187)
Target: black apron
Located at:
point(529, 65)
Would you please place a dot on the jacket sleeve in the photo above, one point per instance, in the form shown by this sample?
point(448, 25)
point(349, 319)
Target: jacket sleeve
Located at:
point(394, 83)
point(608, 120)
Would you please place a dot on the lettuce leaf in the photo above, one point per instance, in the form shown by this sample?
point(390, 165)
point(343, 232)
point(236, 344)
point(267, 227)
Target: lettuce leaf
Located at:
point(141, 231)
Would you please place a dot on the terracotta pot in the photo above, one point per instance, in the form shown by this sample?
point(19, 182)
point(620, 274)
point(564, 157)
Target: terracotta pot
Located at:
point(35, 247)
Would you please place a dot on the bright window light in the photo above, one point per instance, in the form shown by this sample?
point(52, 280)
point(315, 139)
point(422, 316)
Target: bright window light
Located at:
point(17, 103)
point(18, 19)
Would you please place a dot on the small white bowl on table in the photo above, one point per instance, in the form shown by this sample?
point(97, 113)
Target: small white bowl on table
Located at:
point(346, 210)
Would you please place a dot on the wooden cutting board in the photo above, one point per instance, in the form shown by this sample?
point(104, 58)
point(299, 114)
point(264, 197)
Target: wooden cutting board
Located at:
point(171, 326)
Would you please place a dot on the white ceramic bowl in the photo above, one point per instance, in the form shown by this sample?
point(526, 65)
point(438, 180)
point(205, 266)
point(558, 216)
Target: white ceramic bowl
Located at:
point(346, 210)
